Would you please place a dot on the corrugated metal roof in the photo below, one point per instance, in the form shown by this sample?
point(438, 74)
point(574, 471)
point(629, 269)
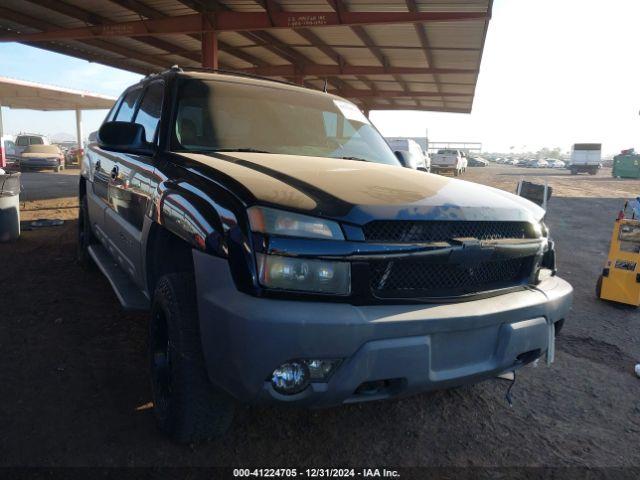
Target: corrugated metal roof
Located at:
point(427, 64)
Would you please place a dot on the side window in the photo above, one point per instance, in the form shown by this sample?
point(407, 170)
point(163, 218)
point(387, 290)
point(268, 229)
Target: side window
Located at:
point(150, 108)
point(128, 105)
point(114, 109)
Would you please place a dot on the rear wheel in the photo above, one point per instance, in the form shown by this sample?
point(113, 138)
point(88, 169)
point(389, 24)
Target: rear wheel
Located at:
point(599, 287)
point(574, 171)
point(558, 326)
point(187, 406)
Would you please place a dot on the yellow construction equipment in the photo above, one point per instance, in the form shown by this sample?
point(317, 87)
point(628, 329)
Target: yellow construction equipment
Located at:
point(620, 278)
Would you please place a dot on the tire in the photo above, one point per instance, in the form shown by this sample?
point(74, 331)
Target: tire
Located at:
point(186, 405)
point(599, 287)
point(456, 173)
point(85, 236)
point(558, 326)
point(574, 171)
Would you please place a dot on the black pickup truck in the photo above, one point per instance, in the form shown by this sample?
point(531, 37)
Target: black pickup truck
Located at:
point(287, 258)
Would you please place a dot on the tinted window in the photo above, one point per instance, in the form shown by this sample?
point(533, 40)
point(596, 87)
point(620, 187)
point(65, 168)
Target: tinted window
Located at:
point(128, 104)
point(35, 141)
point(150, 108)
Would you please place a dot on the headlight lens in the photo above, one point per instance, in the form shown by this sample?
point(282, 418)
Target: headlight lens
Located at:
point(303, 274)
point(279, 222)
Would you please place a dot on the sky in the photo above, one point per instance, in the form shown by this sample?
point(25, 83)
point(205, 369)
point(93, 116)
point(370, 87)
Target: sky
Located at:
point(554, 73)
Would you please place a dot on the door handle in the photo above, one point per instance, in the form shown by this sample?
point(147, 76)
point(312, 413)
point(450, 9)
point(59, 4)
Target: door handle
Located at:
point(114, 173)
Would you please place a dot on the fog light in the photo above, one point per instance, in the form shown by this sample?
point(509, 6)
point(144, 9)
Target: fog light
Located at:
point(294, 376)
point(321, 369)
point(290, 378)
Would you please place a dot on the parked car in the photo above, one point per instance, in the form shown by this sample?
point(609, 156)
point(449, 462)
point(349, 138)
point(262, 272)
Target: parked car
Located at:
point(535, 163)
point(23, 140)
point(410, 154)
point(558, 164)
point(65, 147)
point(286, 259)
point(9, 148)
point(449, 161)
point(477, 162)
point(40, 157)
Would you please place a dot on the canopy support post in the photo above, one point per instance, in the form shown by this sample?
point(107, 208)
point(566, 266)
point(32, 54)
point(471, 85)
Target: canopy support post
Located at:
point(3, 160)
point(79, 132)
point(210, 50)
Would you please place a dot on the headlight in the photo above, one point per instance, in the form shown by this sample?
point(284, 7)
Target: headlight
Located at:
point(279, 222)
point(303, 274)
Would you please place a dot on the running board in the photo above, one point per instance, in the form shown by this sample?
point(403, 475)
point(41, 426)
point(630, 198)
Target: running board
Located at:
point(128, 293)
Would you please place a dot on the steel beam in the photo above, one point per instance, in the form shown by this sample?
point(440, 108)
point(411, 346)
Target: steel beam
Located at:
point(241, 21)
point(358, 93)
point(328, 70)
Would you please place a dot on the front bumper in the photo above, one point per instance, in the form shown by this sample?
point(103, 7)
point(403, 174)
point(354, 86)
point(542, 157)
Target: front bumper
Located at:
point(409, 348)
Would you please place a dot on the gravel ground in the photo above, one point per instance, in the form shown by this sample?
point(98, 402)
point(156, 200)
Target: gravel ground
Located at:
point(75, 390)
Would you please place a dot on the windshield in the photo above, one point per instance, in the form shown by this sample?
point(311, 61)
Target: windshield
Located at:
point(228, 116)
point(448, 152)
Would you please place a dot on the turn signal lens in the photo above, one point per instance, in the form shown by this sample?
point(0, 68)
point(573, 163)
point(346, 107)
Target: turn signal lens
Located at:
point(288, 224)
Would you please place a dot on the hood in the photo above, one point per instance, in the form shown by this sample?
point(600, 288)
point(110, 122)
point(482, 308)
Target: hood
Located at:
point(358, 191)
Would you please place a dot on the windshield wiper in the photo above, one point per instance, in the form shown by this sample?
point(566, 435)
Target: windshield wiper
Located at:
point(239, 149)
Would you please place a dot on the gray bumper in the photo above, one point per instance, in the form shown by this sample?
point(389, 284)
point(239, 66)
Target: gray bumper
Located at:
point(411, 347)
point(38, 162)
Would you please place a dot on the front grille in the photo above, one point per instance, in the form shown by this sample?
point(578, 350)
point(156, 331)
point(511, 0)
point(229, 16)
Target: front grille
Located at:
point(400, 231)
point(415, 279)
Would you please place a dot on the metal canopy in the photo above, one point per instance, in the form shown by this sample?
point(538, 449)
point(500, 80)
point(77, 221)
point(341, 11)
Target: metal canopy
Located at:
point(384, 55)
point(36, 96)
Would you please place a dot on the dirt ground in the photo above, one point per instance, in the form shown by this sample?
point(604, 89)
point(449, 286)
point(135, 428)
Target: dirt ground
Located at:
point(74, 389)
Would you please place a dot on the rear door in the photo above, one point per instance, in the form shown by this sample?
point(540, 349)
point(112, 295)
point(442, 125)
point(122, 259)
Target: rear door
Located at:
point(131, 184)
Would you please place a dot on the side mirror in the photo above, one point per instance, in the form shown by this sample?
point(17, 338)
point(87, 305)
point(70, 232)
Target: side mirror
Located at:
point(124, 137)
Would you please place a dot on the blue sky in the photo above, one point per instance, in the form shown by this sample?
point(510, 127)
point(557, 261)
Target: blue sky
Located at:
point(554, 72)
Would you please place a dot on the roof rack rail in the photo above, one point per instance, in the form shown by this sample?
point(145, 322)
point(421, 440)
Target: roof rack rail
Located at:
point(177, 68)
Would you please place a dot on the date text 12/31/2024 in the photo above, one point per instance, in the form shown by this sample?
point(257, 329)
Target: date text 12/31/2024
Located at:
point(315, 473)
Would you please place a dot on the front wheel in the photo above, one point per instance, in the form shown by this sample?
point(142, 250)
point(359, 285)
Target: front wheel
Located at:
point(85, 236)
point(186, 405)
